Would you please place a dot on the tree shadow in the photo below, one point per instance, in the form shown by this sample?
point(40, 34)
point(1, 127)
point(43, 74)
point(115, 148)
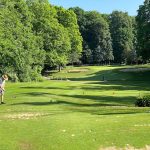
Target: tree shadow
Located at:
point(99, 85)
point(118, 85)
point(93, 109)
point(117, 79)
point(93, 100)
point(42, 87)
point(115, 75)
point(113, 111)
point(64, 103)
point(94, 105)
point(114, 100)
point(36, 94)
point(105, 80)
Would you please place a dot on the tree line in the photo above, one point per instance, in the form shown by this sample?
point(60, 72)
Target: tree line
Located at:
point(35, 36)
point(107, 37)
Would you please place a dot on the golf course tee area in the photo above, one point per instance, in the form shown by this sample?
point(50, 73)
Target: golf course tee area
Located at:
point(79, 108)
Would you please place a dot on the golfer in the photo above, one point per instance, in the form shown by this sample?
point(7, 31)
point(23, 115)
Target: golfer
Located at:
point(2, 88)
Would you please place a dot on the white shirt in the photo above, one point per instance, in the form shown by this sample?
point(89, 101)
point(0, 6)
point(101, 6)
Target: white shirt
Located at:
point(2, 83)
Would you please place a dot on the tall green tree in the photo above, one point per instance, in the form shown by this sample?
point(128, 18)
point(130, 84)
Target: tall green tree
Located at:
point(82, 21)
point(121, 28)
point(87, 56)
point(69, 21)
point(21, 53)
point(133, 57)
point(56, 40)
point(143, 30)
point(98, 37)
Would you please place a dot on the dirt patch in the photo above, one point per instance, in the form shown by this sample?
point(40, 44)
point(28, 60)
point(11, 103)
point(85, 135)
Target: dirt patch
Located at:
point(24, 145)
point(126, 148)
point(24, 116)
point(78, 70)
point(135, 70)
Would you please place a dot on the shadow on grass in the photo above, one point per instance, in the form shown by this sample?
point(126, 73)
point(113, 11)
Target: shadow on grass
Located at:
point(82, 100)
point(36, 94)
point(93, 109)
point(118, 85)
point(119, 80)
point(42, 87)
point(115, 100)
point(93, 104)
point(101, 86)
point(58, 102)
point(115, 75)
point(109, 111)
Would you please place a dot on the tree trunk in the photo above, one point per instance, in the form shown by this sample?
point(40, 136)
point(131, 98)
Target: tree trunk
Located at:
point(59, 68)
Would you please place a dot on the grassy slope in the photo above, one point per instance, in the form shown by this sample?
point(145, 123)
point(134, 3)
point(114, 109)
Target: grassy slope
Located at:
point(84, 113)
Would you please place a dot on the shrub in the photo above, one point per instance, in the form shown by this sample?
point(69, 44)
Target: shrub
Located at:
point(143, 101)
point(13, 77)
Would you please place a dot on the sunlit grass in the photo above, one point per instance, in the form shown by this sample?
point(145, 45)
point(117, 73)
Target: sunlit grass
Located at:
point(80, 111)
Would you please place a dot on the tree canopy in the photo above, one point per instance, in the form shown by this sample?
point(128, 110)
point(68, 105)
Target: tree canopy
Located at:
point(96, 37)
point(122, 35)
point(33, 37)
point(143, 30)
point(36, 36)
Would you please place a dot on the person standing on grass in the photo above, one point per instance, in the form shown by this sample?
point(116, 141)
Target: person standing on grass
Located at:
point(2, 88)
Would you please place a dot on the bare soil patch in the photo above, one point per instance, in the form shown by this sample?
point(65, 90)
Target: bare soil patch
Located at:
point(25, 145)
point(25, 116)
point(78, 70)
point(126, 148)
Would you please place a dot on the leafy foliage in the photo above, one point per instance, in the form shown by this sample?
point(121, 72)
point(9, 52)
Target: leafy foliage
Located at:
point(69, 21)
point(143, 30)
point(122, 36)
point(21, 51)
point(36, 35)
point(143, 101)
point(32, 37)
point(96, 36)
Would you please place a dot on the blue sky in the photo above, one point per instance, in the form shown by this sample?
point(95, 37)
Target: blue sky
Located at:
point(103, 6)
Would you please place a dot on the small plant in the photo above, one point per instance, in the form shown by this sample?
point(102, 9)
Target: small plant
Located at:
point(143, 101)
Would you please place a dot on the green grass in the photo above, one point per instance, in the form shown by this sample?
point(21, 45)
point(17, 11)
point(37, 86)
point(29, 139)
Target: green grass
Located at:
point(81, 113)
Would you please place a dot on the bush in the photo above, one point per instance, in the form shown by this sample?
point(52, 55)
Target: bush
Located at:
point(13, 77)
point(143, 101)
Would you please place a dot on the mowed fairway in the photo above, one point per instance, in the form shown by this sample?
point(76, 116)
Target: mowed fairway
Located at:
point(81, 113)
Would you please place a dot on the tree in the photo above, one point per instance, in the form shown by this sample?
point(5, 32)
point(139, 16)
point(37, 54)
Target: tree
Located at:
point(98, 37)
point(95, 32)
point(21, 53)
point(132, 57)
point(81, 20)
point(143, 30)
point(69, 21)
point(56, 41)
point(87, 57)
point(121, 28)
